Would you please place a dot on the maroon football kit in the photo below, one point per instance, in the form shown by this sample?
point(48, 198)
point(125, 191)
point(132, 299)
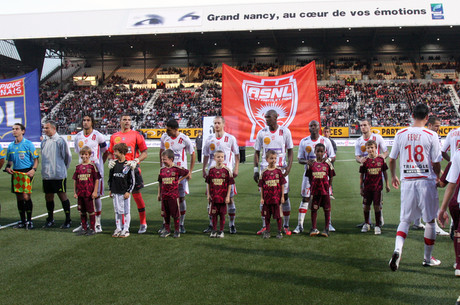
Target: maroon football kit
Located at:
point(169, 183)
point(270, 185)
point(85, 177)
point(218, 180)
point(320, 175)
point(372, 170)
point(453, 204)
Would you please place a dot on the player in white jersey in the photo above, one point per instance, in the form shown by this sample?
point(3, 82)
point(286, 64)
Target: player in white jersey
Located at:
point(96, 141)
point(420, 168)
point(181, 145)
point(451, 143)
point(225, 142)
point(279, 139)
point(361, 153)
point(306, 156)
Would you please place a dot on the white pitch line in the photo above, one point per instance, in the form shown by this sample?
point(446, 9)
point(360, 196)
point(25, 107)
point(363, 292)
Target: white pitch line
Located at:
point(104, 197)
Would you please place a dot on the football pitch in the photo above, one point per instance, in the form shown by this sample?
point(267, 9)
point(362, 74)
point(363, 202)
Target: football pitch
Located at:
point(55, 266)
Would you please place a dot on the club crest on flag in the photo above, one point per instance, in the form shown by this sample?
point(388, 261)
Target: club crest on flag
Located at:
point(278, 94)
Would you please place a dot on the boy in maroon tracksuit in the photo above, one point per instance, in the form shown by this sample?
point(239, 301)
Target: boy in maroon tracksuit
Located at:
point(168, 191)
point(371, 185)
point(271, 185)
point(320, 174)
point(218, 188)
point(86, 183)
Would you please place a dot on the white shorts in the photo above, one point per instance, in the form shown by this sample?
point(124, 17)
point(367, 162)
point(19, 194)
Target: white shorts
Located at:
point(183, 188)
point(100, 191)
point(120, 204)
point(418, 198)
point(305, 192)
point(286, 185)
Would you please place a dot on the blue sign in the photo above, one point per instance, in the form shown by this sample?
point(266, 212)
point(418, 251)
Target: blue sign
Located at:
point(437, 12)
point(20, 103)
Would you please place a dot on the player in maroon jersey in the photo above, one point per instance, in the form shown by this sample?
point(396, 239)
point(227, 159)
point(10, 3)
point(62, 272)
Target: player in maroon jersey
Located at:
point(271, 185)
point(86, 183)
point(168, 191)
point(371, 185)
point(218, 188)
point(320, 174)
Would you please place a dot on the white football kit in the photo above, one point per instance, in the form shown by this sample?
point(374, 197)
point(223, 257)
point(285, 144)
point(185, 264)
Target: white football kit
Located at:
point(181, 146)
point(360, 146)
point(96, 141)
point(452, 142)
point(417, 148)
point(454, 172)
point(307, 152)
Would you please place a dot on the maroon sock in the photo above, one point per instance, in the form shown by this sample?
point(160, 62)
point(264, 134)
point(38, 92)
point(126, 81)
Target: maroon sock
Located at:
point(84, 221)
point(92, 221)
point(366, 217)
point(267, 223)
point(176, 223)
point(280, 224)
point(457, 248)
point(314, 214)
point(327, 218)
point(222, 222)
point(378, 218)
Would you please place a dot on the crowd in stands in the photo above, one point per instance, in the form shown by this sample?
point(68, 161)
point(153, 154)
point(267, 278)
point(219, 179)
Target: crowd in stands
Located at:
point(117, 80)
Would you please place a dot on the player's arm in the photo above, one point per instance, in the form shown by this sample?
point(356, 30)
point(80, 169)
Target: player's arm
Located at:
point(442, 214)
point(437, 170)
point(227, 197)
point(75, 189)
point(105, 156)
point(2, 162)
point(208, 196)
point(237, 165)
point(385, 154)
point(205, 165)
point(282, 193)
point(159, 191)
point(256, 166)
point(394, 179)
point(387, 183)
point(361, 184)
point(96, 186)
point(446, 156)
point(289, 163)
point(142, 156)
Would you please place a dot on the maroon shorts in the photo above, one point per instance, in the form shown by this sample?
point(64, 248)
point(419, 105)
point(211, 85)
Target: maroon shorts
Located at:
point(321, 201)
point(86, 205)
point(372, 196)
point(170, 208)
point(218, 209)
point(269, 210)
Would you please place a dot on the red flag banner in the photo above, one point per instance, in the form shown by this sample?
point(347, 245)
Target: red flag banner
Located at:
point(247, 97)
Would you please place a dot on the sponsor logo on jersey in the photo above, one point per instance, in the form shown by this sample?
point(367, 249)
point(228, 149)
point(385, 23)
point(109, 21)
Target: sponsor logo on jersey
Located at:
point(80, 144)
point(212, 146)
point(167, 145)
point(117, 140)
point(363, 148)
point(278, 94)
point(267, 140)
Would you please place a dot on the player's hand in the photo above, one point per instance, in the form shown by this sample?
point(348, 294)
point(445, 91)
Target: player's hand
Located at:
point(235, 174)
point(310, 162)
point(159, 197)
point(189, 176)
point(31, 173)
point(256, 177)
point(361, 192)
point(204, 173)
point(94, 195)
point(261, 201)
point(137, 160)
point(75, 195)
point(110, 194)
point(363, 159)
point(387, 188)
point(282, 199)
point(111, 164)
point(442, 217)
point(9, 170)
point(286, 172)
point(132, 164)
point(126, 195)
point(227, 200)
point(395, 182)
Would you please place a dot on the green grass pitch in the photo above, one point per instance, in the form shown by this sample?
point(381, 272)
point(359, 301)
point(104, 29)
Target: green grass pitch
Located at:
point(56, 267)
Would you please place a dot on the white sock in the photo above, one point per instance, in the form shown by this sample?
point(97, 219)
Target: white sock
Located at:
point(118, 220)
point(231, 220)
point(127, 222)
point(430, 237)
point(401, 235)
point(210, 221)
point(263, 218)
point(183, 208)
point(182, 218)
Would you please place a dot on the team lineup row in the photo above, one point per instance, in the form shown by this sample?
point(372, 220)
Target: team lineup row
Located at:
point(414, 166)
